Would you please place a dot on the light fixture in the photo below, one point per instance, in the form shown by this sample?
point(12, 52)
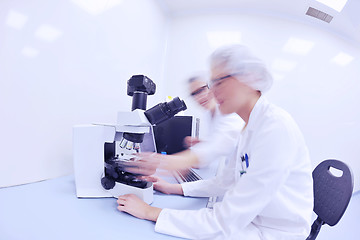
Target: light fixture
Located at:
point(298, 46)
point(283, 65)
point(47, 33)
point(30, 52)
point(337, 5)
point(16, 20)
point(342, 59)
point(96, 7)
point(217, 39)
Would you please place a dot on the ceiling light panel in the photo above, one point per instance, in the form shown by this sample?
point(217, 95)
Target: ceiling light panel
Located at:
point(342, 59)
point(16, 20)
point(47, 33)
point(96, 7)
point(337, 5)
point(298, 46)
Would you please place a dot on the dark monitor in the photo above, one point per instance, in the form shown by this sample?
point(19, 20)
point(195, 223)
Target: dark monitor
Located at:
point(169, 135)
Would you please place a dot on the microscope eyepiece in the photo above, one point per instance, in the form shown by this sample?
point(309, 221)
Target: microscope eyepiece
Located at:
point(165, 111)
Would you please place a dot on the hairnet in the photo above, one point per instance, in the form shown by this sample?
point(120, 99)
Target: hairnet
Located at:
point(237, 60)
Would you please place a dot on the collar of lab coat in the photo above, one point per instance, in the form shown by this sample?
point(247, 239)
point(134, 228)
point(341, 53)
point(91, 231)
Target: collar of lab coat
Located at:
point(256, 111)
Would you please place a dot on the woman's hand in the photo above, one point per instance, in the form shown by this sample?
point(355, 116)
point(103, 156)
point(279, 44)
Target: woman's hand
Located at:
point(163, 186)
point(133, 205)
point(145, 164)
point(190, 141)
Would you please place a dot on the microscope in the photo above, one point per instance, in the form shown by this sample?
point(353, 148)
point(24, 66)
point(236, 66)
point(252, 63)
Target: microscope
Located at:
point(103, 151)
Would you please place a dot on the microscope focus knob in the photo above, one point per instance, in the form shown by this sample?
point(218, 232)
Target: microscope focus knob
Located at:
point(107, 183)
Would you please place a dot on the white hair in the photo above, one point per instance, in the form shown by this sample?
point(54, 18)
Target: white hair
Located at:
point(237, 60)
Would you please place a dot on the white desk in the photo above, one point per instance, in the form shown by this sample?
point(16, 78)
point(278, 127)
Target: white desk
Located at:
point(51, 210)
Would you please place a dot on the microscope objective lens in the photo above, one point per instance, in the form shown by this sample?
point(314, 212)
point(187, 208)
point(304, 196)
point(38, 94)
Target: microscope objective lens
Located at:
point(123, 143)
point(137, 146)
point(129, 145)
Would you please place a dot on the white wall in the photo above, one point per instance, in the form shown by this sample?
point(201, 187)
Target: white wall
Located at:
point(73, 73)
point(321, 95)
point(77, 74)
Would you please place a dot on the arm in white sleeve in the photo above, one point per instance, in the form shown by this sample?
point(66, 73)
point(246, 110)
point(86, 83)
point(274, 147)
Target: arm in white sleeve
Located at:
point(216, 186)
point(221, 141)
point(269, 158)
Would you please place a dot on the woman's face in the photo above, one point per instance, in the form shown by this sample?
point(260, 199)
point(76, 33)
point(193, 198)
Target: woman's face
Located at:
point(229, 92)
point(199, 90)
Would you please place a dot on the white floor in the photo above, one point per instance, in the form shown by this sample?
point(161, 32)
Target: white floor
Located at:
point(348, 227)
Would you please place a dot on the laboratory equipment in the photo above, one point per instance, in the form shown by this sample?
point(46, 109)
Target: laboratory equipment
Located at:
point(103, 151)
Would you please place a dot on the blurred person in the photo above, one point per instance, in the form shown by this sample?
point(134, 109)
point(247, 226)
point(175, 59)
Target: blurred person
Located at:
point(217, 141)
point(220, 130)
point(270, 193)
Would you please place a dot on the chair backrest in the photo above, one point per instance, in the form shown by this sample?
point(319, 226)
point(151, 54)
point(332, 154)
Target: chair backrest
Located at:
point(332, 193)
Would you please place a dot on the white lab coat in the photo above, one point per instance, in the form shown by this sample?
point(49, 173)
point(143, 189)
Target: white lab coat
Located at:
point(219, 138)
point(273, 200)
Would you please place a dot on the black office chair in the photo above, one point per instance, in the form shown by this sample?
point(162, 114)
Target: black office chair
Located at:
point(331, 194)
